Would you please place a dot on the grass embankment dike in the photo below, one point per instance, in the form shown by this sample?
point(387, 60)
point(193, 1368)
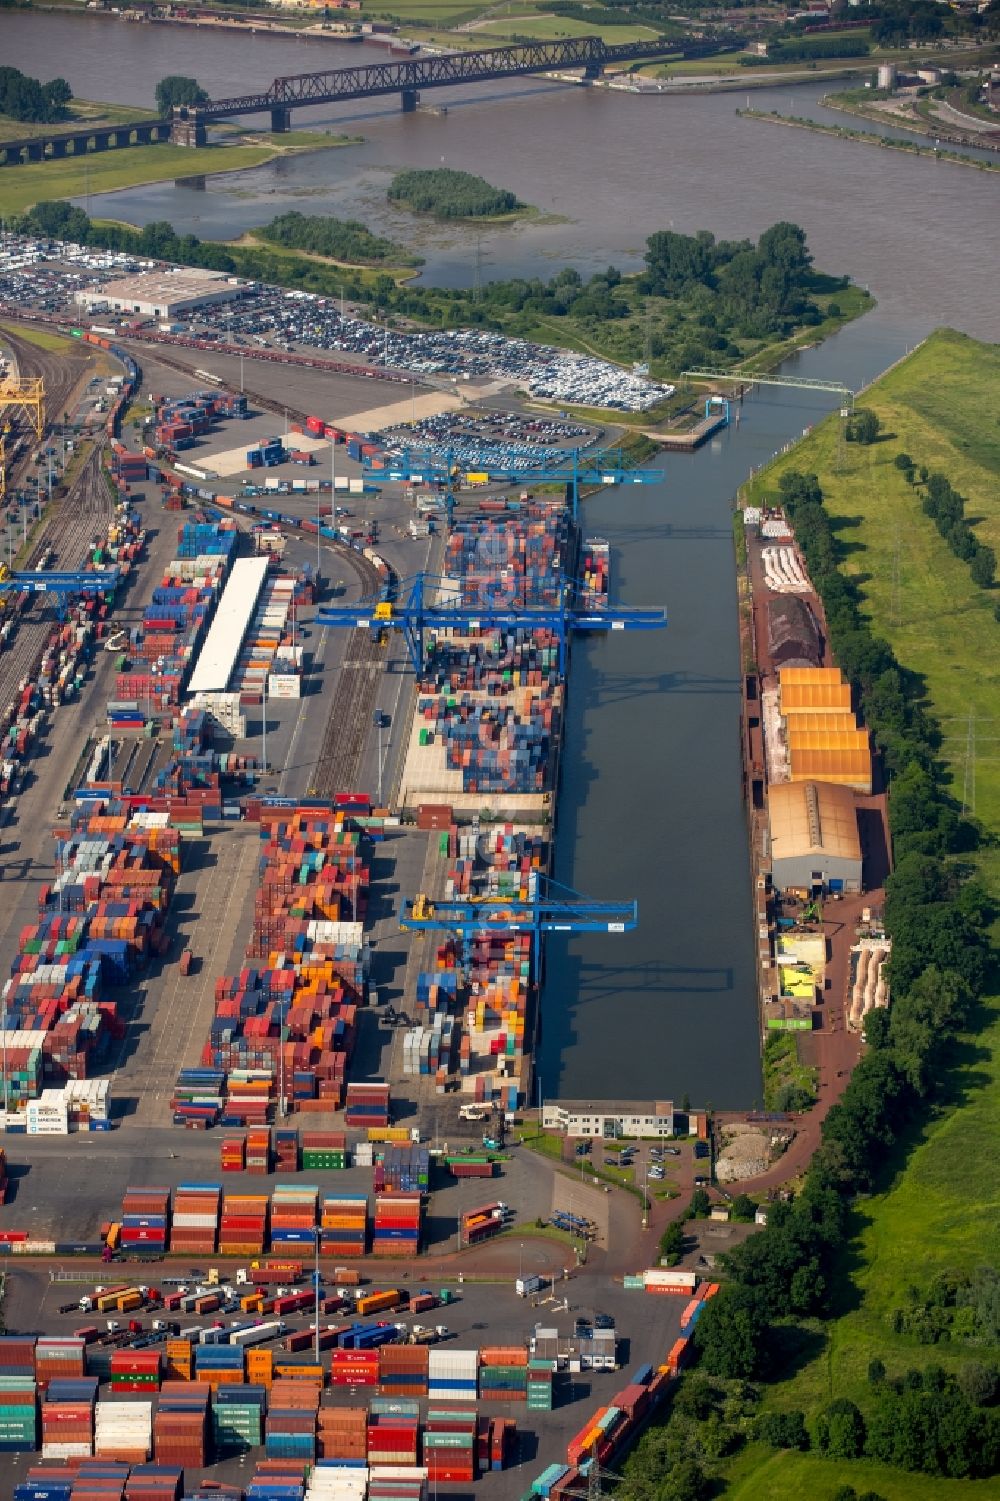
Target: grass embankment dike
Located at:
point(869, 138)
point(134, 167)
point(937, 1209)
point(90, 113)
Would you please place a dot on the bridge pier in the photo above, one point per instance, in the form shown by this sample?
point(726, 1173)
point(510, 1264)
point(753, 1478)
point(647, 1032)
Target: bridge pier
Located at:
point(81, 145)
point(280, 119)
point(188, 133)
point(409, 98)
point(593, 70)
point(59, 146)
point(35, 151)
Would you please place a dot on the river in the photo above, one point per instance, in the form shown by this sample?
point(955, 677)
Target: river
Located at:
point(651, 803)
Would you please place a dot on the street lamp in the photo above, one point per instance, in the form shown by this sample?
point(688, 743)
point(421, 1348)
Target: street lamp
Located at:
point(263, 729)
point(379, 720)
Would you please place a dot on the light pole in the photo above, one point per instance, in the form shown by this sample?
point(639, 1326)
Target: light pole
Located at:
point(316, 1287)
point(263, 729)
point(379, 719)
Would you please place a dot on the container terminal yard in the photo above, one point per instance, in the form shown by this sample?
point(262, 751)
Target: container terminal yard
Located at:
point(279, 796)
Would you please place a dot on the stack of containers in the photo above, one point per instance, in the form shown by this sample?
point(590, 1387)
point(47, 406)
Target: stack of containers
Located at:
point(396, 1230)
point(243, 1226)
point(18, 1414)
point(286, 1151)
point(367, 1104)
point(293, 1216)
point(278, 1480)
point(144, 1219)
point(393, 1429)
point(343, 1225)
point(290, 1427)
point(324, 1150)
point(135, 1371)
point(178, 1364)
point(540, 1383)
point(237, 1419)
point(17, 1355)
point(195, 1218)
point(233, 1154)
point(260, 1367)
point(403, 1370)
point(57, 1357)
point(154, 1483)
point(354, 1367)
point(449, 1446)
point(503, 1374)
point(180, 1427)
point(399, 1483)
point(218, 1365)
point(405, 1168)
point(258, 1151)
point(338, 1483)
point(68, 1418)
point(343, 1434)
point(452, 1375)
point(123, 1431)
point(503, 1437)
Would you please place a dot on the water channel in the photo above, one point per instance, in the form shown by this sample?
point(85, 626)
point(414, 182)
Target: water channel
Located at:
point(651, 803)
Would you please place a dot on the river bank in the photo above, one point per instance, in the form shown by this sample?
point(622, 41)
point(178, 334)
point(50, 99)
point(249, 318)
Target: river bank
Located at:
point(888, 143)
point(926, 125)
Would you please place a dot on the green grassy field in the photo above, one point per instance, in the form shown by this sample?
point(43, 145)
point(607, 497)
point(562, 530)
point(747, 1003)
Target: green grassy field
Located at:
point(41, 338)
point(20, 187)
point(555, 28)
point(787, 1476)
point(939, 1208)
point(81, 112)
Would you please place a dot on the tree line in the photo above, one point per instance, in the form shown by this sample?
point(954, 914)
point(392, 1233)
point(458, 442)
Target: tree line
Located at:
point(24, 98)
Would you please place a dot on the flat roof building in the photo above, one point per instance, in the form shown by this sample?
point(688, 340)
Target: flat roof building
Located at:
point(162, 294)
point(814, 837)
point(609, 1119)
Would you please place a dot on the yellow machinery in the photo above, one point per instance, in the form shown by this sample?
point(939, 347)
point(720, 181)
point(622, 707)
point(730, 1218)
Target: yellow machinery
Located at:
point(383, 611)
point(422, 908)
point(24, 398)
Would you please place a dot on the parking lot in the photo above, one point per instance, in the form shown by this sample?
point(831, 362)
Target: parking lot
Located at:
point(50, 276)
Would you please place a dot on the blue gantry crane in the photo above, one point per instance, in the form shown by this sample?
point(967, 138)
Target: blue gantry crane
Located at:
point(556, 909)
point(572, 469)
point(63, 585)
point(427, 603)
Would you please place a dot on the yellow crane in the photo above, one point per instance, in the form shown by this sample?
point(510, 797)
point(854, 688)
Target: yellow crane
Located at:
point(25, 399)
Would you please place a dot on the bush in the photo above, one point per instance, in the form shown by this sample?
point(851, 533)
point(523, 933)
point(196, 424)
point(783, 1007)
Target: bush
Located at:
point(782, 1430)
point(840, 1430)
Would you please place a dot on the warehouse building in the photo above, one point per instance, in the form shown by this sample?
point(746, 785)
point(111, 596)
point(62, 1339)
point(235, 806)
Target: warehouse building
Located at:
point(793, 636)
point(162, 294)
point(814, 837)
point(610, 1119)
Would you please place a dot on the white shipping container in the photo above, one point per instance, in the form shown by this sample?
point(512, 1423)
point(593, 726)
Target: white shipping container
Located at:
point(284, 685)
point(669, 1277)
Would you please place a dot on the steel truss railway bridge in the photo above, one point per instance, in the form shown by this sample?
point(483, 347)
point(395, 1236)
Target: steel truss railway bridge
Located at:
point(409, 76)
